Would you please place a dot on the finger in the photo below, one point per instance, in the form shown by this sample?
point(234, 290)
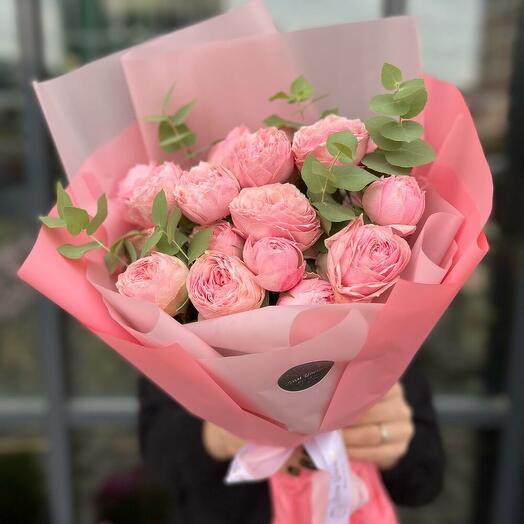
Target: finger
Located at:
point(370, 434)
point(389, 410)
point(383, 456)
point(396, 391)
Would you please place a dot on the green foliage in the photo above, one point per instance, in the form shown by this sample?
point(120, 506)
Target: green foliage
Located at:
point(279, 122)
point(334, 212)
point(199, 243)
point(150, 242)
point(52, 222)
point(352, 178)
point(75, 252)
point(411, 154)
point(101, 215)
point(76, 219)
point(301, 90)
point(387, 105)
point(173, 132)
point(377, 162)
point(159, 209)
point(330, 111)
point(342, 145)
point(404, 131)
point(391, 76)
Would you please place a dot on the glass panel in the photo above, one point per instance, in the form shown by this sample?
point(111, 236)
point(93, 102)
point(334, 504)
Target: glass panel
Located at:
point(94, 368)
point(22, 480)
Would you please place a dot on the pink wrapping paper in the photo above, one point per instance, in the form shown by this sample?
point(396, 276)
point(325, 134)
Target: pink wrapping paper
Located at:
point(188, 361)
point(227, 370)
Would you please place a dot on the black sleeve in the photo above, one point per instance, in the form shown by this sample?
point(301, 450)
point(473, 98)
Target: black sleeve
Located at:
point(418, 478)
point(174, 456)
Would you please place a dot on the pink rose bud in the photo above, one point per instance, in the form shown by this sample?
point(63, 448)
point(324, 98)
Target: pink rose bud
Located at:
point(138, 189)
point(363, 261)
point(395, 201)
point(276, 210)
point(260, 158)
point(224, 239)
point(277, 262)
point(308, 291)
point(219, 284)
point(311, 140)
point(205, 191)
point(157, 278)
point(219, 152)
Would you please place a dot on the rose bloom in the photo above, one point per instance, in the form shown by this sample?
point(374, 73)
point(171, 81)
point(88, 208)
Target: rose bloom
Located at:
point(395, 201)
point(311, 290)
point(157, 278)
point(276, 210)
point(219, 152)
point(277, 262)
point(138, 189)
point(219, 284)
point(363, 261)
point(260, 158)
point(224, 238)
point(205, 191)
point(311, 140)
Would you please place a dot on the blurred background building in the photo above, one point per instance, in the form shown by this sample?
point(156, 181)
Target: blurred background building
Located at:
point(68, 445)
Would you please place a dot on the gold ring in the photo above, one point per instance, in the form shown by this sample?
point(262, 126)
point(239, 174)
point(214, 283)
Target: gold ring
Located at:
point(384, 433)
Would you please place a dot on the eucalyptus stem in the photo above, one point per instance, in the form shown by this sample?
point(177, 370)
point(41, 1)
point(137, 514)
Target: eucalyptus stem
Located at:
point(105, 248)
point(335, 158)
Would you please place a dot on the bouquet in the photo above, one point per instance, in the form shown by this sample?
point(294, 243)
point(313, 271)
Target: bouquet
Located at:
point(276, 281)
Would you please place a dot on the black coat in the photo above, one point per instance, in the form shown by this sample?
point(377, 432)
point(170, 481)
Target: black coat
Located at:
point(173, 454)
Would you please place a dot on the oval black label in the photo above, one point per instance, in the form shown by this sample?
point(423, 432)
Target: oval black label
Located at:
point(304, 376)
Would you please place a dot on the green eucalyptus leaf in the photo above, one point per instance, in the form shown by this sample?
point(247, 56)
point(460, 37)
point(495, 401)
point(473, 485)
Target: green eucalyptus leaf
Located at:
point(172, 222)
point(301, 89)
point(52, 222)
point(111, 261)
point(334, 212)
point(374, 125)
point(179, 117)
point(409, 88)
point(62, 199)
point(75, 252)
point(279, 96)
point(391, 76)
point(388, 105)
point(159, 210)
point(151, 242)
point(130, 249)
point(344, 144)
point(411, 154)
point(76, 219)
point(330, 111)
point(175, 139)
point(320, 246)
point(101, 215)
point(352, 178)
point(165, 133)
point(405, 131)
point(156, 118)
point(417, 102)
point(167, 98)
point(279, 122)
point(377, 161)
point(316, 176)
point(199, 243)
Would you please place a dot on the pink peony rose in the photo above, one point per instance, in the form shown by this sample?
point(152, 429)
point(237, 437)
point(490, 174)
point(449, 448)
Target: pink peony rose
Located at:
point(219, 152)
point(363, 261)
point(276, 210)
point(308, 291)
point(260, 158)
point(157, 278)
point(311, 140)
point(138, 189)
point(219, 284)
point(205, 191)
point(224, 239)
point(395, 201)
point(277, 262)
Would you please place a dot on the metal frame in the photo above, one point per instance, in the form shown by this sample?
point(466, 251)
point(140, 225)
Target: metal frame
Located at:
point(59, 416)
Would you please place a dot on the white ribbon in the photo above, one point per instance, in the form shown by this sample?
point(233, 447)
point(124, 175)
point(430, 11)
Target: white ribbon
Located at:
point(327, 451)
